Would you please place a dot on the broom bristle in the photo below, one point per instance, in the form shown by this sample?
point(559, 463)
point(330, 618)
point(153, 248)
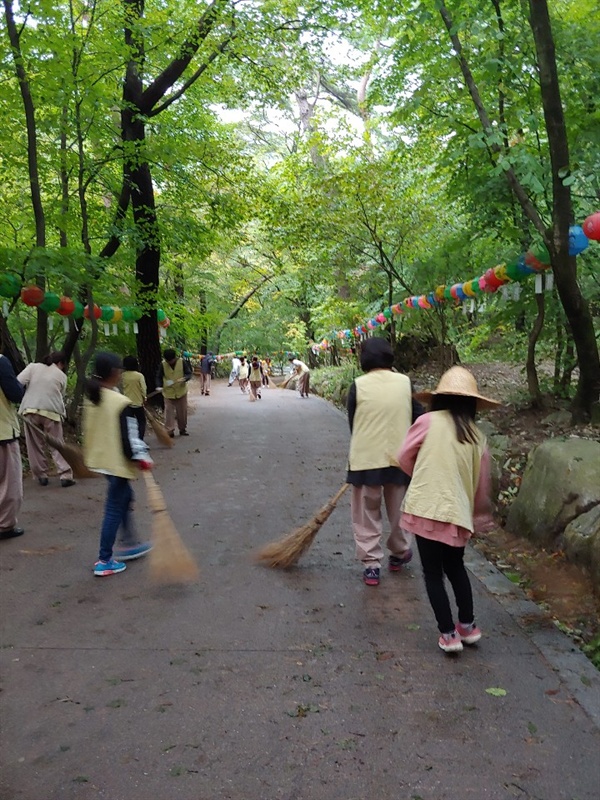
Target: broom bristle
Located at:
point(169, 561)
point(161, 433)
point(285, 552)
point(73, 456)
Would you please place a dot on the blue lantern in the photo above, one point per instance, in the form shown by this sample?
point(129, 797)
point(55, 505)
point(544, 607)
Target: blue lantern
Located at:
point(578, 241)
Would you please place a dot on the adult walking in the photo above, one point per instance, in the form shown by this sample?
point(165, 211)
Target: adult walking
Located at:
point(173, 375)
point(380, 412)
point(256, 375)
point(11, 468)
point(303, 373)
point(206, 365)
point(235, 368)
point(43, 404)
point(243, 373)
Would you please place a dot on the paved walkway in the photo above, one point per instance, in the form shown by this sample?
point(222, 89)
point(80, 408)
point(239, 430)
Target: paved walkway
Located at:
point(257, 684)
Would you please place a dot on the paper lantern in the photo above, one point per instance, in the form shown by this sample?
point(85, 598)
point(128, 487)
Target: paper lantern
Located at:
point(97, 311)
point(117, 314)
point(448, 292)
point(422, 302)
point(106, 313)
point(66, 306)
point(32, 295)
point(512, 271)
point(78, 311)
point(492, 282)
point(501, 274)
point(591, 227)
point(523, 268)
point(161, 315)
point(370, 325)
point(540, 251)
point(578, 241)
point(50, 303)
point(454, 290)
point(387, 313)
point(483, 287)
point(532, 261)
point(127, 313)
point(10, 286)
point(380, 318)
point(432, 299)
point(468, 290)
point(476, 287)
point(440, 292)
point(136, 313)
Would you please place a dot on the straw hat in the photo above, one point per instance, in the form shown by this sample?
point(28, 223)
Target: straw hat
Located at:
point(458, 380)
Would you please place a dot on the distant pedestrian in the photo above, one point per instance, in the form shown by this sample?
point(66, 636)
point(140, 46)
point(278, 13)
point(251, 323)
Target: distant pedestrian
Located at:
point(134, 387)
point(11, 467)
point(243, 373)
point(43, 404)
point(173, 375)
point(266, 370)
point(206, 365)
point(112, 447)
point(380, 412)
point(235, 368)
point(448, 497)
point(255, 377)
point(303, 373)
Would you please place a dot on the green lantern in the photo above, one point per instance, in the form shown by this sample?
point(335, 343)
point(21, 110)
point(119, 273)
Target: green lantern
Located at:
point(10, 285)
point(513, 272)
point(387, 313)
point(78, 310)
point(161, 315)
point(136, 313)
point(107, 314)
point(540, 251)
point(50, 302)
point(448, 293)
point(127, 314)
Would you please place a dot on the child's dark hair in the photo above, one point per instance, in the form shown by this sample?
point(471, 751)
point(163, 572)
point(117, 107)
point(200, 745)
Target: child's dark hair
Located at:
point(169, 354)
point(104, 365)
point(376, 353)
point(131, 363)
point(463, 410)
point(57, 357)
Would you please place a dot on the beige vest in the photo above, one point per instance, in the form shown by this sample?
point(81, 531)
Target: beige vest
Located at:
point(9, 422)
point(446, 475)
point(134, 387)
point(102, 445)
point(382, 418)
point(174, 374)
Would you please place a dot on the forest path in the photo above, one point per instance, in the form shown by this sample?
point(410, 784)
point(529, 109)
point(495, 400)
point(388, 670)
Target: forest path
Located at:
point(255, 684)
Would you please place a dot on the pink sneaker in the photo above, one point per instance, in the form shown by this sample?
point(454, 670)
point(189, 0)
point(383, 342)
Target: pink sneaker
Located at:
point(469, 634)
point(450, 642)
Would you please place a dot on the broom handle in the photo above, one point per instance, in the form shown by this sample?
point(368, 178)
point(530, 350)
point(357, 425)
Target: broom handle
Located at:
point(160, 389)
point(336, 497)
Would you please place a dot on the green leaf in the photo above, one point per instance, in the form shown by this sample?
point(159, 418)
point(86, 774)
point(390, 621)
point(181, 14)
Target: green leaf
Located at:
point(496, 691)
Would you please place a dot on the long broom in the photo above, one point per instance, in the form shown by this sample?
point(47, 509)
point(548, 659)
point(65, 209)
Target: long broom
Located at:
point(70, 452)
point(285, 552)
point(161, 433)
point(169, 561)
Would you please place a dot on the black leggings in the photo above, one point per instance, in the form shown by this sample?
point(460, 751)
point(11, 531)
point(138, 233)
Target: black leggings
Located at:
point(438, 558)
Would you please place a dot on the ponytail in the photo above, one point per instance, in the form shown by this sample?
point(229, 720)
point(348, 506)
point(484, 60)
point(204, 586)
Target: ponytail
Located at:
point(463, 409)
point(92, 389)
point(57, 357)
point(104, 366)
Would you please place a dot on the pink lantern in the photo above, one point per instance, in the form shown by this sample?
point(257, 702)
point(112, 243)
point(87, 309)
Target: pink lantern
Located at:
point(380, 318)
point(370, 325)
point(454, 290)
point(591, 227)
point(422, 302)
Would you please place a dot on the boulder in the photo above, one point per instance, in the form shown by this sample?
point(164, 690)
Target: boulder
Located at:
point(561, 481)
point(581, 541)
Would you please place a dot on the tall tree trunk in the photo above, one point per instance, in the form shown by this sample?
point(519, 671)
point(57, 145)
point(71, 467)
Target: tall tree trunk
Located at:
point(563, 265)
point(533, 383)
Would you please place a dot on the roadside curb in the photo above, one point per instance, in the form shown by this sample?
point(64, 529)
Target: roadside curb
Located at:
point(574, 669)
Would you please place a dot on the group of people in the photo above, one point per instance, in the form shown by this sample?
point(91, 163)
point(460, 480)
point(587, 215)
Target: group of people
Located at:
point(251, 374)
point(432, 472)
point(430, 469)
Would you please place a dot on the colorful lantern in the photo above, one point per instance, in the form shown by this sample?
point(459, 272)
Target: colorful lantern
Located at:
point(106, 313)
point(591, 227)
point(117, 314)
point(380, 318)
point(468, 289)
point(32, 295)
point(432, 299)
point(78, 311)
point(422, 302)
point(440, 292)
point(492, 282)
point(387, 313)
point(512, 271)
point(97, 311)
point(501, 274)
point(540, 251)
point(50, 303)
point(66, 307)
point(10, 285)
point(448, 292)
point(370, 325)
point(160, 315)
point(523, 268)
point(578, 241)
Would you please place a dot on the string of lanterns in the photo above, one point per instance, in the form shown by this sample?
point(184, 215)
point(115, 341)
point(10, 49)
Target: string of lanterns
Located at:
point(535, 261)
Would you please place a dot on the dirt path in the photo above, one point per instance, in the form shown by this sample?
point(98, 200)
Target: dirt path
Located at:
point(257, 684)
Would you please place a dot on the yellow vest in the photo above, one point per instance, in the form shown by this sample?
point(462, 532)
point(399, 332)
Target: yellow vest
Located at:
point(9, 422)
point(174, 374)
point(134, 387)
point(446, 474)
point(383, 416)
point(102, 445)
point(255, 374)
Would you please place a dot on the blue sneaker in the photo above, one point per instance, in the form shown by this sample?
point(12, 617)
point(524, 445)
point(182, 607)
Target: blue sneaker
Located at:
point(135, 551)
point(371, 576)
point(111, 567)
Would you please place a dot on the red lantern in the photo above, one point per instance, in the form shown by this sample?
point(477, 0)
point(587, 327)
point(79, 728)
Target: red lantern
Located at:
point(32, 295)
point(97, 312)
point(591, 227)
point(66, 307)
point(492, 281)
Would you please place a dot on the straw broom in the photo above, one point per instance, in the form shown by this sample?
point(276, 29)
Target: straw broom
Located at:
point(285, 552)
point(161, 433)
point(169, 561)
point(271, 383)
point(70, 452)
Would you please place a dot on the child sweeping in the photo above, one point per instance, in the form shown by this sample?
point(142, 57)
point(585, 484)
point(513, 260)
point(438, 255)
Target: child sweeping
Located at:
point(112, 447)
point(134, 388)
point(448, 497)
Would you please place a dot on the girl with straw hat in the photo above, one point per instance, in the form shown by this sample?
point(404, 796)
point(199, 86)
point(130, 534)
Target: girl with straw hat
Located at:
point(448, 497)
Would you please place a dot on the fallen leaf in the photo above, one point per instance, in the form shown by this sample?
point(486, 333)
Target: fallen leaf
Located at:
point(496, 691)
